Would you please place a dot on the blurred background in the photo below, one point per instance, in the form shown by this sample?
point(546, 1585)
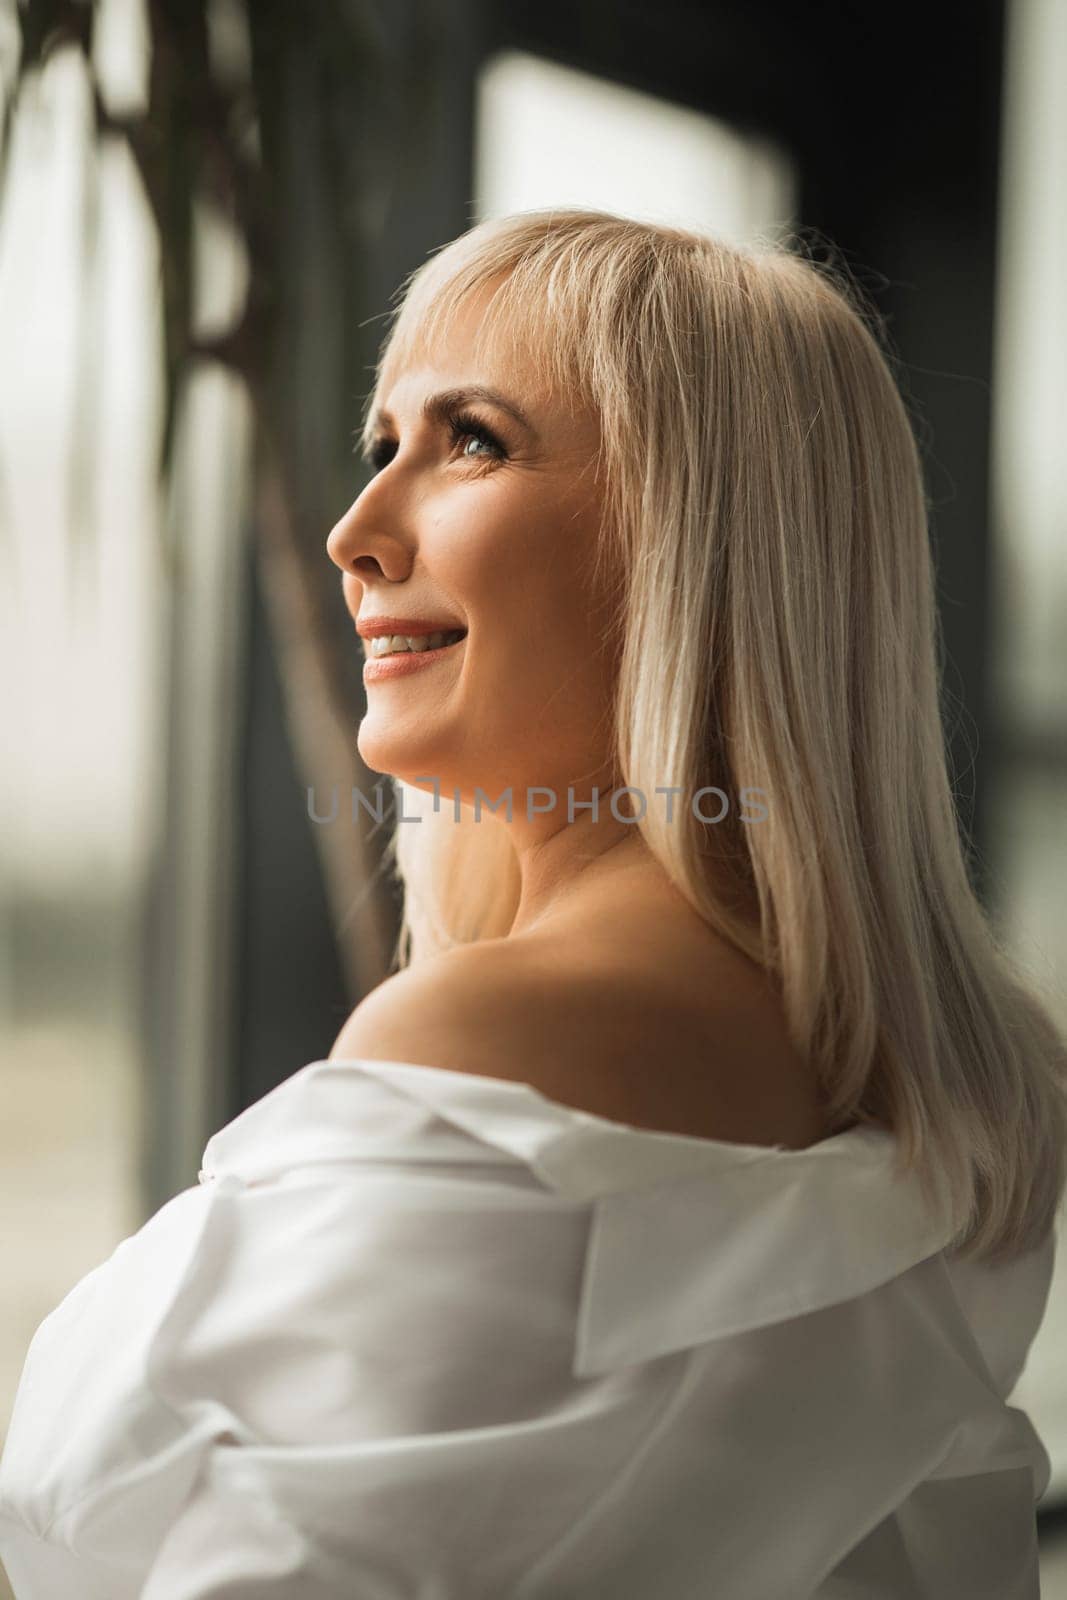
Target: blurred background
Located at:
point(205, 207)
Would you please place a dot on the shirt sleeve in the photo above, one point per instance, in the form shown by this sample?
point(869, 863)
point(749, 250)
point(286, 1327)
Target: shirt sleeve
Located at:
point(388, 1357)
point(350, 1378)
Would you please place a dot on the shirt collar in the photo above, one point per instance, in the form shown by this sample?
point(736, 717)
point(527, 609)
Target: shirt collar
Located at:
point(690, 1239)
point(750, 1243)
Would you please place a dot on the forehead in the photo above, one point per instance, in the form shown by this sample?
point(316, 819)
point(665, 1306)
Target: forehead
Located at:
point(482, 335)
point(459, 348)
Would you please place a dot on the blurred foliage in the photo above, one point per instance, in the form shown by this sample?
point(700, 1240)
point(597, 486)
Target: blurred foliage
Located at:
point(225, 136)
point(294, 120)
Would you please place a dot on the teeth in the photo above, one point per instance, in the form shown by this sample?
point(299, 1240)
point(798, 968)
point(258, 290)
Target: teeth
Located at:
point(393, 643)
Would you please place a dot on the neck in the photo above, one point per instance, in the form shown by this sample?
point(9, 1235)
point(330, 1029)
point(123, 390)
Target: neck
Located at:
point(559, 868)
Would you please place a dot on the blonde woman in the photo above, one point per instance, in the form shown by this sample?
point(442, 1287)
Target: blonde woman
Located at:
point(676, 1221)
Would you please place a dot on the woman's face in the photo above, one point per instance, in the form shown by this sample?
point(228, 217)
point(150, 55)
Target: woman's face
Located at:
point(476, 519)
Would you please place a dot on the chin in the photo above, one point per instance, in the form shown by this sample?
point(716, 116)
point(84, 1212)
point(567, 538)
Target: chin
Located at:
point(386, 747)
point(382, 750)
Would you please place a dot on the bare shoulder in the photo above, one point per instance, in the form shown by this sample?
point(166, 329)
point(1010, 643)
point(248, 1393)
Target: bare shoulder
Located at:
point(615, 1038)
point(494, 1008)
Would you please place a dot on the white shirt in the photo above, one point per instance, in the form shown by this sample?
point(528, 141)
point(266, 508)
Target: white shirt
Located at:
point(422, 1335)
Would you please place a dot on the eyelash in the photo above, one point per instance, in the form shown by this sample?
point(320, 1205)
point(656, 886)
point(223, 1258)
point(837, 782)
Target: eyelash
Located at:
point(460, 424)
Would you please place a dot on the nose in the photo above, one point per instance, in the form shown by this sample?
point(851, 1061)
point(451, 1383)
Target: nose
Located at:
point(364, 550)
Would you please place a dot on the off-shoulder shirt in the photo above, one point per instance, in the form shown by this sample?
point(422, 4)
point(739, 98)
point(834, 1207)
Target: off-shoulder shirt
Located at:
point(418, 1334)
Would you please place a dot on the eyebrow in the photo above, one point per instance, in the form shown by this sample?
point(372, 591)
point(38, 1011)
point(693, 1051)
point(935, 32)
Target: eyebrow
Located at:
point(439, 407)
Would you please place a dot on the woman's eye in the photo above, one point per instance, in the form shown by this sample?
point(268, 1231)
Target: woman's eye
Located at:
point(464, 431)
point(468, 430)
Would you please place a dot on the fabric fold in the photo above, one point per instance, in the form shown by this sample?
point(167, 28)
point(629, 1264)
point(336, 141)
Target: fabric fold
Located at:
point(418, 1331)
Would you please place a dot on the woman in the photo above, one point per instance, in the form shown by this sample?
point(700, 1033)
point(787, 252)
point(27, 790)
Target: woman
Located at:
point(677, 1219)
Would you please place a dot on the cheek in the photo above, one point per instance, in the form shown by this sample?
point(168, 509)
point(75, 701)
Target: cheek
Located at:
point(527, 587)
point(513, 551)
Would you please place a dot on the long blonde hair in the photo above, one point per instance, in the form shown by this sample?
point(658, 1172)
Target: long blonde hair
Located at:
point(764, 498)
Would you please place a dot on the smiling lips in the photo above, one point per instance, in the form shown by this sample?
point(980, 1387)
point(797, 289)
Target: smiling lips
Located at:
point(395, 655)
point(397, 645)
